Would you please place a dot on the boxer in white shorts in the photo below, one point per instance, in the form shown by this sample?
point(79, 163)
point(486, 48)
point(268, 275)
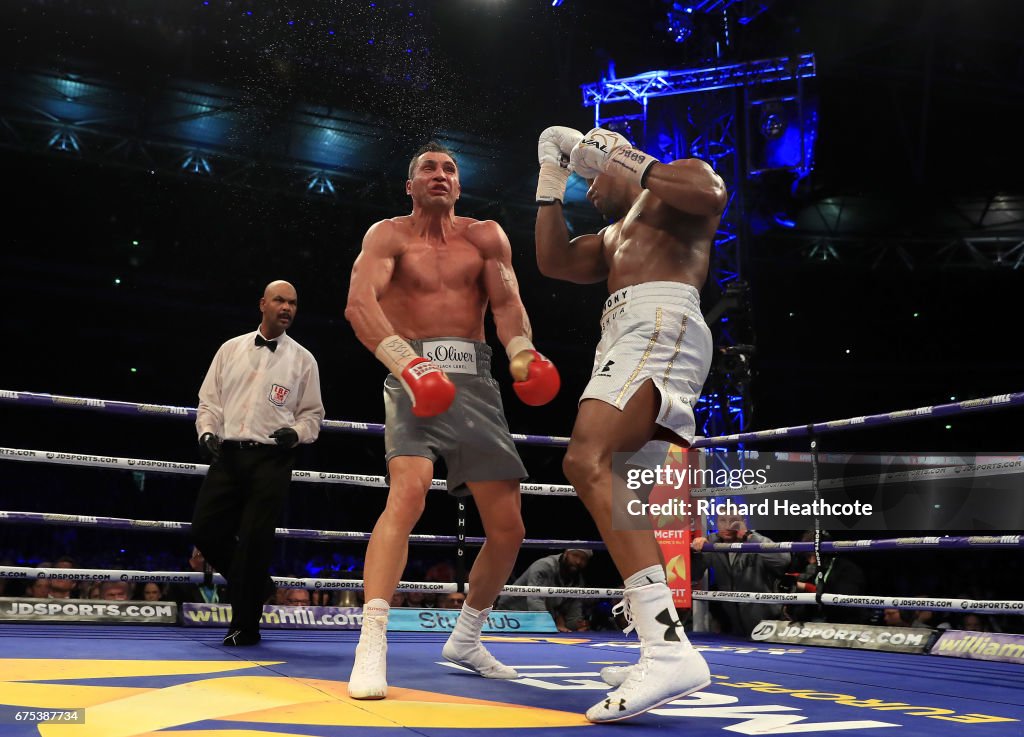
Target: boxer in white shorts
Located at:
point(650, 365)
point(653, 331)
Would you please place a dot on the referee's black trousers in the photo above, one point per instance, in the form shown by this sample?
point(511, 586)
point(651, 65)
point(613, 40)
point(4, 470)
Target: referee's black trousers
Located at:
point(239, 505)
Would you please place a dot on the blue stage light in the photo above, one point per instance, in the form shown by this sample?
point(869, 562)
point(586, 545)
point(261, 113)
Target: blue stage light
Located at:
point(320, 183)
point(196, 163)
point(64, 140)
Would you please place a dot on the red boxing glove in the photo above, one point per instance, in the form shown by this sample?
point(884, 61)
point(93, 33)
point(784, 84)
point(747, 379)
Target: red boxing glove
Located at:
point(431, 391)
point(537, 380)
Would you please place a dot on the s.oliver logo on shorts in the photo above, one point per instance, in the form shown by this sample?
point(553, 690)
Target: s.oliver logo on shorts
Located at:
point(453, 356)
point(279, 394)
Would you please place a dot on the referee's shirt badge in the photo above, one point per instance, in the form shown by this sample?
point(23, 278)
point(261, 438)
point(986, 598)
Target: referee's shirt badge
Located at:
point(279, 394)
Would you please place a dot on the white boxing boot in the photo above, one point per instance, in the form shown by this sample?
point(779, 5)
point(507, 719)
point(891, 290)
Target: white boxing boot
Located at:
point(464, 647)
point(615, 675)
point(669, 667)
point(369, 679)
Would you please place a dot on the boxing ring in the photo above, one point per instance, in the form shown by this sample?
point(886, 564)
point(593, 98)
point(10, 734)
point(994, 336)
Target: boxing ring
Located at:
point(169, 680)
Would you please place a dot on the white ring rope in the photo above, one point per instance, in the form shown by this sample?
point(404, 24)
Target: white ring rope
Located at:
point(1002, 467)
point(992, 467)
point(869, 602)
point(899, 459)
point(61, 458)
point(124, 523)
point(1009, 466)
point(945, 542)
point(334, 584)
point(284, 582)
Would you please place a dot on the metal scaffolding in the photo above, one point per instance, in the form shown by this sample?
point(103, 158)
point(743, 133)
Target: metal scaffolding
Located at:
point(224, 137)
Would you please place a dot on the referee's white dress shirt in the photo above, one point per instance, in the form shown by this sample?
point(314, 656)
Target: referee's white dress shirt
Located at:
point(249, 391)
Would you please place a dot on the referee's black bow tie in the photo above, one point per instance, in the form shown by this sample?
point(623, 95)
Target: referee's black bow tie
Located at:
point(261, 341)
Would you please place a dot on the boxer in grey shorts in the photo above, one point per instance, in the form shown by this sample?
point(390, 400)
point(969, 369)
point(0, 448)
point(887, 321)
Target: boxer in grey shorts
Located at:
point(429, 273)
point(472, 436)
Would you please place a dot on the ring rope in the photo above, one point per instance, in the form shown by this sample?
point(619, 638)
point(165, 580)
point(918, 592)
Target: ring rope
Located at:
point(868, 602)
point(1005, 467)
point(999, 401)
point(123, 523)
point(336, 584)
point(946, 542)
point(286, 582)
point(951, 409)
point(900, 459)
point(111, 406)
point(931, 542)
point(199, 469)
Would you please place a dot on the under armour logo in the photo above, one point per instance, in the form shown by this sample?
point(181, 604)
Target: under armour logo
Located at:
point(666, 618)
point(606, 370)
point(620, 702)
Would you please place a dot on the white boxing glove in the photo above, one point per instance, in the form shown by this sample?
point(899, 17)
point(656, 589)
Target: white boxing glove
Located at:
point(603, 151)
point(553, 149)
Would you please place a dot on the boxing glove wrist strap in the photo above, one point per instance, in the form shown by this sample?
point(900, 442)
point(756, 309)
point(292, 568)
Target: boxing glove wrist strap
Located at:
point(551, 183)
point(395, 353)
point(517, 345)
point(630, 163)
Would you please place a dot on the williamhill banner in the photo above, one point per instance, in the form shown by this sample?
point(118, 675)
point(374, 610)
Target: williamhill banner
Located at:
point(980, 646)
point(351, 618)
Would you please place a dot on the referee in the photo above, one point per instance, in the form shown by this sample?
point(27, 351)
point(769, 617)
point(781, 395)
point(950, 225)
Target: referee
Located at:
point(260, 399)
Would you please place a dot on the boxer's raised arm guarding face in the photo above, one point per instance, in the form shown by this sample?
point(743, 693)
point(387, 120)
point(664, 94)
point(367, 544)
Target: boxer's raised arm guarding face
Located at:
point(582, 259)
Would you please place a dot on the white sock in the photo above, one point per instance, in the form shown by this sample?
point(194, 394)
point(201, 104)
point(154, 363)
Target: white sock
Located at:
point(375, 619)
point(649, 575)
point(464, 646)
point(376, 608)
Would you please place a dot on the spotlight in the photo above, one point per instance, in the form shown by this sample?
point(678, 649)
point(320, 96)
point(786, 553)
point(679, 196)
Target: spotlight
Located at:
point(320, 183)
point(64, 140)
point(196, 163)
point(679, 23)
point(772, 125)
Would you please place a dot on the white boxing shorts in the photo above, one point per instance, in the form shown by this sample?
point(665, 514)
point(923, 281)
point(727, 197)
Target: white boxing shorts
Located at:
point(653, 331)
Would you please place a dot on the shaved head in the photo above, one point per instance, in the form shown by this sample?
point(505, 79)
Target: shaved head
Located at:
point(276, 285)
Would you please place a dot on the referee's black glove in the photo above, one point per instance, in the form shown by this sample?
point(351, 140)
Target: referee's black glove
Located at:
point(286, 436)
point(209, 447)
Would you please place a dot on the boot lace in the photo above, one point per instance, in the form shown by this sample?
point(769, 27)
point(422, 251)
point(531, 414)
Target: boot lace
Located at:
point(624, 610)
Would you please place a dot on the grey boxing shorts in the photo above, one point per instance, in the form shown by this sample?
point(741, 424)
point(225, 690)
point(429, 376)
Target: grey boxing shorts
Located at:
point(472, 436)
